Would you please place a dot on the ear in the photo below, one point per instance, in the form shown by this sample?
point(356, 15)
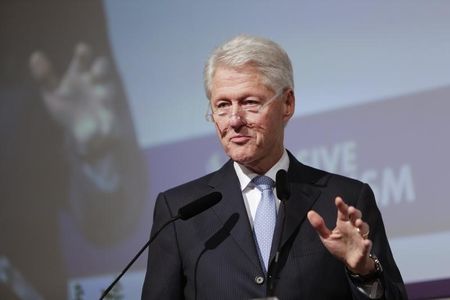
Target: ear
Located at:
point(288, 105)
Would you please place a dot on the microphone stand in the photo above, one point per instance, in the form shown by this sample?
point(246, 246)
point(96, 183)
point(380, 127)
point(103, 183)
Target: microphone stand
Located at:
point(213, 242)
point(108, 289)
point(283, 193)
point(184, 213)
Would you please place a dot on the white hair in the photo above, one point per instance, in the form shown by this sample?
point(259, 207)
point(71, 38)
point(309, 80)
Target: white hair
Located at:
point(266, 56)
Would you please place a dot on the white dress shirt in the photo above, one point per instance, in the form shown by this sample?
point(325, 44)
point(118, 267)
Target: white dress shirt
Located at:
point(251, 194)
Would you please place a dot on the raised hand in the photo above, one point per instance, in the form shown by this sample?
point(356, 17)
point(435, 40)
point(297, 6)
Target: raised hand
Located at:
point(348, 241)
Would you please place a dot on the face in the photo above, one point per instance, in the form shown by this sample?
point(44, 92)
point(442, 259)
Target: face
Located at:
point(253, 140)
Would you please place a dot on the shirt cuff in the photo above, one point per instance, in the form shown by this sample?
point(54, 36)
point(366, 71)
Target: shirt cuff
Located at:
point(373, 290)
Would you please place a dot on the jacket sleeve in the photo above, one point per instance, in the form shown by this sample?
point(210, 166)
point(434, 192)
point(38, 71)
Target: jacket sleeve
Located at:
point(391, 279)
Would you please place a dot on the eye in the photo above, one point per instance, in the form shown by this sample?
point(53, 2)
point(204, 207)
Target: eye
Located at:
point(222, 104)
point(251, 102)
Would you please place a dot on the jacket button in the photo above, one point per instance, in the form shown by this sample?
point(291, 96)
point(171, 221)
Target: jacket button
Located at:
point(259, 280)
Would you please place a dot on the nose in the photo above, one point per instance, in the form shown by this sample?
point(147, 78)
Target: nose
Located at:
point(236, 121)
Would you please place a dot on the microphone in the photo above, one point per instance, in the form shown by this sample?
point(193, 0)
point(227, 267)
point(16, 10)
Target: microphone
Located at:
point(283, 193)
point(198, 206)
point(214, 241)
point(282, 185)
point(184, 213)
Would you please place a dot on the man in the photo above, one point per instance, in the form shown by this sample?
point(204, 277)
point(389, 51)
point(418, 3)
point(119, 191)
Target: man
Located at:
point(249, 83)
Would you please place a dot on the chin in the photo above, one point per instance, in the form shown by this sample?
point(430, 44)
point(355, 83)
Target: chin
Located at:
point(242, 158)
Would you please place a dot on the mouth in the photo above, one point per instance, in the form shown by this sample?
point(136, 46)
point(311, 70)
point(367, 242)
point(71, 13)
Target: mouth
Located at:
point(240, 139)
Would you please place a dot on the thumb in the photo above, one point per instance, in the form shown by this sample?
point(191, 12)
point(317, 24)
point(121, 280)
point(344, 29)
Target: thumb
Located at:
point(42, 71)
point(318, 224)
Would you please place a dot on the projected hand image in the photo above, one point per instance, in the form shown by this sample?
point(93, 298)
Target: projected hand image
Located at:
point(82, 100)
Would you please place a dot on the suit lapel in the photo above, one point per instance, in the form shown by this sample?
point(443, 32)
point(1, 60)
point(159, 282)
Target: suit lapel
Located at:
point(227, 182)
point(306, 184)
point(301, 200)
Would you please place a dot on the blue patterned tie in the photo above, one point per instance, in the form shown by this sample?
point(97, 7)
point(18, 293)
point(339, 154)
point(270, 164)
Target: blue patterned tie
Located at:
point(265, 218)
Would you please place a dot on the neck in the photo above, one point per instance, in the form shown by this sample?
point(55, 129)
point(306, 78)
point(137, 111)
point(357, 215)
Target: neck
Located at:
point(265, 164)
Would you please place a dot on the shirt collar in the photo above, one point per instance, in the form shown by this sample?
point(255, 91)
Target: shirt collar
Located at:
point(245, 175)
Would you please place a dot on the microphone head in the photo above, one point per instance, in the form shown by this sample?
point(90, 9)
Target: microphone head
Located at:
point(282, 185)
point(199, 205)
point(214, 241)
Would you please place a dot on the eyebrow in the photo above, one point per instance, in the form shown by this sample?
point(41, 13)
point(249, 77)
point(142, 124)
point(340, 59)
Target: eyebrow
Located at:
point(245, 96)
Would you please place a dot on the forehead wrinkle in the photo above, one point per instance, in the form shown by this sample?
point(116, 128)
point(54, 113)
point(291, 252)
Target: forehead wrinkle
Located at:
point(238, 83)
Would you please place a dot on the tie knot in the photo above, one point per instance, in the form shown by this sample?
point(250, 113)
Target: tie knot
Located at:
point(263, 182)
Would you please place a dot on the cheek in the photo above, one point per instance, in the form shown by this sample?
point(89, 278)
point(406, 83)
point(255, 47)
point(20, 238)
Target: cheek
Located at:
point(260, 137)
point(266, 131)
point(220, 130)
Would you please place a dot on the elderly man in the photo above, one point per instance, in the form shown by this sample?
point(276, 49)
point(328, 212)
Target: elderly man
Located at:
point(246, 246)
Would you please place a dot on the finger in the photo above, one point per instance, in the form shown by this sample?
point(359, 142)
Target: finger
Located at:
point(367, 247)
point(354, 214)
point(363, 228)
point(81, 58)
point(42, 71)
point(100, 69)
point(342, 207)
point(319, 224)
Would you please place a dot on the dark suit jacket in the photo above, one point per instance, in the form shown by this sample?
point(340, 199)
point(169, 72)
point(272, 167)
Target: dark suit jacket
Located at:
point(214, 253)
